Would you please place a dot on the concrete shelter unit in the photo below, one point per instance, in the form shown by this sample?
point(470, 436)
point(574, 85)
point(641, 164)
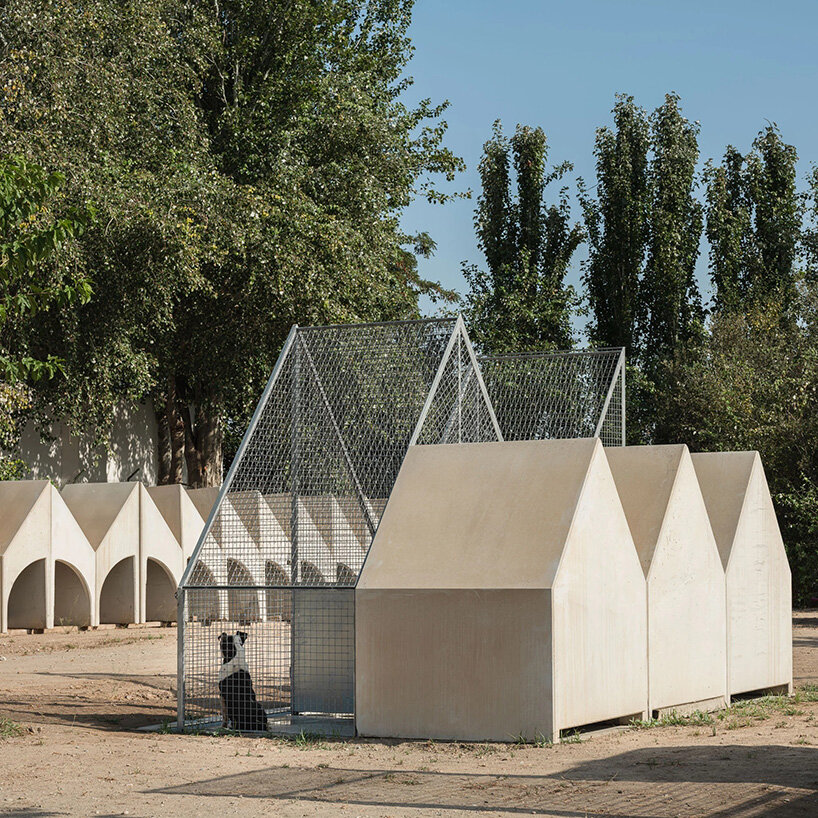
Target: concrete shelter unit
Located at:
point(758, 580)
point(686, 647)
point(46, 562)
point(502, 597)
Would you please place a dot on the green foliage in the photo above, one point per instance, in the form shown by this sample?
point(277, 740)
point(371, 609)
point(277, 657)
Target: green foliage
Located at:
point(617, 221)
point(753, 384)
point(31, 236)
point(249, 163)
point(521, 303)
point(669, 296)
point(754, 216)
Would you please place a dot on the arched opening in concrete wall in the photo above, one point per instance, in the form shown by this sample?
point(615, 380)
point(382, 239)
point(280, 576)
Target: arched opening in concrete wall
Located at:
point(345, 576)
point(26, 602)
point(160, 593)
point(72, 600)
point(116, 599)
point(310, 575)
point(242, 603)
point(278, 601)
point(202, 604)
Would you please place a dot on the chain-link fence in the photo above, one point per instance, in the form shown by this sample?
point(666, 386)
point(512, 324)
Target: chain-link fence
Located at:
point(558, 394)
point(266, 605)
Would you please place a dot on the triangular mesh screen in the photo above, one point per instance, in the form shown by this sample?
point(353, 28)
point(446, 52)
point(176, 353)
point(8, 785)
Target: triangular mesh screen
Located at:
point(555, 395)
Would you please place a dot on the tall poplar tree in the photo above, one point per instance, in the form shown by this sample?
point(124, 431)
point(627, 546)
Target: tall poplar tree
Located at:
point(616, 219)
point(520, 302)
point(754, 216)
point(669, 295)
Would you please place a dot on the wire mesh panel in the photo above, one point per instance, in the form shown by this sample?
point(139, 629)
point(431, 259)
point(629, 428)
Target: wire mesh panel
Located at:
point(558, 395)
point(287, 539)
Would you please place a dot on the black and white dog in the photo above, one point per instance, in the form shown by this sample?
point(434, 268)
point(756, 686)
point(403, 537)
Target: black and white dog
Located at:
point(240, 710)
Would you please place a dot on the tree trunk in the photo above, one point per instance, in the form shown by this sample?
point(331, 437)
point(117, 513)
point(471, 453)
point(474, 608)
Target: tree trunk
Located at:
point(163, 441)
point(176, 430)
point(203, 446)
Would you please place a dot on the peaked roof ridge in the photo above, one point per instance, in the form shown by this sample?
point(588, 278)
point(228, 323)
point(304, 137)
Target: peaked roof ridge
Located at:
point(645, 477)
point(724, 478)
point(97, 506)
point(17, 499)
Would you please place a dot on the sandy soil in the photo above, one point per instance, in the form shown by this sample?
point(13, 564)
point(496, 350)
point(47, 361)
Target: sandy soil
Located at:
point(77, 697)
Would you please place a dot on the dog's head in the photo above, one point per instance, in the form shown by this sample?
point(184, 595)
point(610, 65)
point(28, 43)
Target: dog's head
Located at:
point(228, 645)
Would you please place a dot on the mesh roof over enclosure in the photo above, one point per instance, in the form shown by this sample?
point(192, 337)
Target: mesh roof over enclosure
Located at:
point(558, 394)
point(295, 518)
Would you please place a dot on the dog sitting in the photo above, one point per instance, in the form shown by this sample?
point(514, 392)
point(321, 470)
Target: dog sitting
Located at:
point(240, 710)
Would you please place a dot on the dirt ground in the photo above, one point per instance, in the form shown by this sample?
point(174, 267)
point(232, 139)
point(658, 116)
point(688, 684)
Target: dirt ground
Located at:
point(69, 703)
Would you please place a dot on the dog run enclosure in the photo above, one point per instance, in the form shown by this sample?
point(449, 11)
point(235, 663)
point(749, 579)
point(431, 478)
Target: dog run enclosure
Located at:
point(284, 544)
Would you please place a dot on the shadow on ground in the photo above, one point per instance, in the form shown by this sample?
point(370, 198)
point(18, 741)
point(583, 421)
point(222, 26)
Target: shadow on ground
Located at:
point(729, 782)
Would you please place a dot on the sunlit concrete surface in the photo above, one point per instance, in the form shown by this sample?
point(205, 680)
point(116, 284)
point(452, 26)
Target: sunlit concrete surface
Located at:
point(502, 597)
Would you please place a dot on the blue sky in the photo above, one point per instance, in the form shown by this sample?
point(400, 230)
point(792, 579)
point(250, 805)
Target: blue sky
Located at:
point(559, 65)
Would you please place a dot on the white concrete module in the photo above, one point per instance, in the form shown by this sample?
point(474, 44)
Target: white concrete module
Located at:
point(502, 597)
point(758, 580)
point(686, 646)
point(181, 515)
point(46, 562)
point(138, 561)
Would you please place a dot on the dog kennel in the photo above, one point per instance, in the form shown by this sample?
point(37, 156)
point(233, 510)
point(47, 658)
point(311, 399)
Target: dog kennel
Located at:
point(283, 546)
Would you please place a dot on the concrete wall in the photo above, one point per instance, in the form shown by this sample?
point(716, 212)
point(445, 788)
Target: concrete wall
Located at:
point(686, 648)
point(757, 574)
point(497, 571)
point(65, 458)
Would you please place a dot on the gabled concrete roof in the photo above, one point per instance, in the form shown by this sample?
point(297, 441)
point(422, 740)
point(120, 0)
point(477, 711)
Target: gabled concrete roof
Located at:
point(724, 478)
point(481, 515)
point(17, 499)
point(645, 477)
point(96, 506)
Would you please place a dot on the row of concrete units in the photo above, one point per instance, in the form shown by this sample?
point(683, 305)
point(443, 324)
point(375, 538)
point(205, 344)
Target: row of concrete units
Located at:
point(249, 542)
point(115, 552)
point(530, 588)
point(96, 553)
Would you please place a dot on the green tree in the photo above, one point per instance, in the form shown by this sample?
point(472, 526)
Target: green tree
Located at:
point(250, 162)
point(753, 384)
point(617, 222)
point(34, 277)
point(670, 298)
point(521, 302)
point(754, 215)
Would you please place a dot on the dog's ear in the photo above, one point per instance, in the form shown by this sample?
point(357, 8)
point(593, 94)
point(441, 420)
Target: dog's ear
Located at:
point(222, 637)
point(242, 636)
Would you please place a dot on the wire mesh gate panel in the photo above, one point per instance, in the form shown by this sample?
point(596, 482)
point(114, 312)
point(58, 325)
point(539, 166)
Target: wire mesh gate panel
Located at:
point(558, 394)
point(277, 562)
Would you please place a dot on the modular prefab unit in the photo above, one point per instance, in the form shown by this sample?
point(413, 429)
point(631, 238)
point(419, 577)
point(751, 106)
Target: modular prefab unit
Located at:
point(502, 597)
point(757, 574)
point(282, 548)
point(46, 562)
point(686, 645)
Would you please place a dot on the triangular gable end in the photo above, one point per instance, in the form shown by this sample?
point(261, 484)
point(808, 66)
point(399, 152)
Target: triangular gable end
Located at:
point(644, 477)
point(17, 499)
point(96, 506)
point(724, 478)
point(458, 408)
